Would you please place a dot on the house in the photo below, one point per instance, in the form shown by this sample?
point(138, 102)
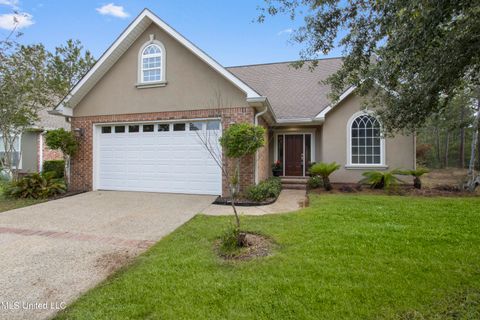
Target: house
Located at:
point(139, 112)
point(31, 150)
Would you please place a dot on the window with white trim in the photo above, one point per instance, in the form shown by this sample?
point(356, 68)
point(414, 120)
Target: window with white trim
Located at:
point(366, 145)
point(16, 150)
point(152, 63)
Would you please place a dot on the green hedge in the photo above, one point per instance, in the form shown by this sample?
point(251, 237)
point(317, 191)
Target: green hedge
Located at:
point(57, 166)
point(269, 188)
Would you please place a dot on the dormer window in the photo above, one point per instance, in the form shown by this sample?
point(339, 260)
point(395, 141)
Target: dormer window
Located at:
point(152, 64)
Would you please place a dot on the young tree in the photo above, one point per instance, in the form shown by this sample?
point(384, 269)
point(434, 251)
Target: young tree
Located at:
point(408, 56)
point(238, 140)
point(23, 92)
point(64, 141)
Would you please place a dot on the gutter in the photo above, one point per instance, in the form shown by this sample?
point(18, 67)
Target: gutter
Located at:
point(256, 152)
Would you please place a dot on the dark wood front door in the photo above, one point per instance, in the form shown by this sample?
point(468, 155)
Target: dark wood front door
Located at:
point(294, 155)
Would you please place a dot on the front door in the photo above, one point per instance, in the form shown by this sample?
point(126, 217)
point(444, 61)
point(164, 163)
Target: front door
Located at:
point(294, 155)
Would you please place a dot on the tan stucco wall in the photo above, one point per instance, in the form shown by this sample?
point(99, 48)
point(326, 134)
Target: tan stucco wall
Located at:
point(29, 151)
point(399, 150)
point(191, 84)
point(264, 170)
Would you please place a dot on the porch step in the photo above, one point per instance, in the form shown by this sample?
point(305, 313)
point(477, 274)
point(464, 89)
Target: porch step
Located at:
point(297, 183)
point(294, 186)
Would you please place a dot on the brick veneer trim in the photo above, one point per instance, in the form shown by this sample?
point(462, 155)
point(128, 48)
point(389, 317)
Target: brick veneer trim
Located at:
point(82, 162)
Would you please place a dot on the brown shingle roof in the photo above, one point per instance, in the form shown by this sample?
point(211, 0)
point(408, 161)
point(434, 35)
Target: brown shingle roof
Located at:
point(293, 93)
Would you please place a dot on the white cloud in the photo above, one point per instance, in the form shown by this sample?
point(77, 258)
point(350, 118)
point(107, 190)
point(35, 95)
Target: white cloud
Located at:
point(112, 10)
point(10, 21)
point(11, 3)
point(286, 31)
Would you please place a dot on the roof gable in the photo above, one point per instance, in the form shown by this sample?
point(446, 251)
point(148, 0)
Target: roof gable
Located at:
point(120, 46)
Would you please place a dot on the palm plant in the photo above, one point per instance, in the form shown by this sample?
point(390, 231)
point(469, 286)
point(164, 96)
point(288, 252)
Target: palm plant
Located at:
point(381, 179)
point(416, 174)
point(324, 170)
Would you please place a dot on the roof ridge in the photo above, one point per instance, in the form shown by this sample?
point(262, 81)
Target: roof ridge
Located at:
point(280, 62)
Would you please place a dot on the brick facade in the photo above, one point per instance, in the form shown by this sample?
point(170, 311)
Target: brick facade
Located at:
point(82, 162)
point(48, 154)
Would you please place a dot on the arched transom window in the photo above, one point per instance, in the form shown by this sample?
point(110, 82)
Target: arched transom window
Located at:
point(152, 63)
point(366, 142)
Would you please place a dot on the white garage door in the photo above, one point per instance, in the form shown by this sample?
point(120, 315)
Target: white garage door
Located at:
point(158, 157)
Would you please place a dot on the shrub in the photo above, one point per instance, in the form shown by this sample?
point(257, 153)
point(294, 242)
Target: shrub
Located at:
point(269, 188)
point(324, 170)
point(229, 241)
point(55, 166)
point(416, 174)
point(241, 139)
point(37, 186)
point(314, 182)
point(381, 179)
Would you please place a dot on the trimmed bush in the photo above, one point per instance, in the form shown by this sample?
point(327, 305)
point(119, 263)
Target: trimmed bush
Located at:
point(324, 170)
point(269, 188)
point(314, 182)
point(36, 186)
point(55, 166)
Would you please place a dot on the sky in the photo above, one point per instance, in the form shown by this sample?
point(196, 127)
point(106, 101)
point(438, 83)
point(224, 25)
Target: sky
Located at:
point(225, 29)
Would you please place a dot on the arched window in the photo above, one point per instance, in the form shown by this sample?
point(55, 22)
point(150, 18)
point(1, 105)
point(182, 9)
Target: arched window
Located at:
point(366, 141)
point(152, 63)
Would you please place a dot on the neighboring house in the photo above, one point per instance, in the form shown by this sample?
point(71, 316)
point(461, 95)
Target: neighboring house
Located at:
point(31, 150)
point(139, 110)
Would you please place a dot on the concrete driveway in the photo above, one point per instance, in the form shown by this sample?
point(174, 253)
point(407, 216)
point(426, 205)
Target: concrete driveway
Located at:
point(53, 252)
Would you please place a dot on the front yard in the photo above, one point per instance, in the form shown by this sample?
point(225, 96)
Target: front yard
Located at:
point(344, 257)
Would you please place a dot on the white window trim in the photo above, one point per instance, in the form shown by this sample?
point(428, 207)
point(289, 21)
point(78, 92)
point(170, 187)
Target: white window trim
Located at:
point(350, 165)
point(163, 67)
point(300, 132)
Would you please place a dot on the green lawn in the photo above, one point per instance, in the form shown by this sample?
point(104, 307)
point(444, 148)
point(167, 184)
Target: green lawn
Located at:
point(345, 257)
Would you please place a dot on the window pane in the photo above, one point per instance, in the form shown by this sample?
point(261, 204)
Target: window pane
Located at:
point(280, 149)
point(354, 150)
point(213, 125)
point(119, 129)
point(106, 129)
point(354, 159)
point(376, 159)
point(195, 126)
point(179, 127)
point(148, 128)
point(308, 149)
point(163, 127)
point(134, 128)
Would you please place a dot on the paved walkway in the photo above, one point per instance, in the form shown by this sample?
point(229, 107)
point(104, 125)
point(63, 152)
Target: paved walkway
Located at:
point(54, 251)
point(289, 200)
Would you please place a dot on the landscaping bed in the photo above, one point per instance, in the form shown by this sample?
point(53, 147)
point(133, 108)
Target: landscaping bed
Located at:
point(401, 190)
point(243, 202)
point(264, 193)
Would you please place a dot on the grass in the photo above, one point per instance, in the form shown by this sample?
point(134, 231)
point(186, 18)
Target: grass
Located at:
point(344, 257)
point(9, 204)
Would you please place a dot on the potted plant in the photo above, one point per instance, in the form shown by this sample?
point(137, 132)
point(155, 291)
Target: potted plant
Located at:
point(277, 168)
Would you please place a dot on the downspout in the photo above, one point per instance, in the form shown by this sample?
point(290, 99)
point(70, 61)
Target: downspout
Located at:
point(261, 113)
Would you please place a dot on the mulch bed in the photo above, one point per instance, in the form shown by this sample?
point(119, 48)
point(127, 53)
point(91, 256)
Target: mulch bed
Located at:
point(227, 201)
point(257, 246)
point(437, 191)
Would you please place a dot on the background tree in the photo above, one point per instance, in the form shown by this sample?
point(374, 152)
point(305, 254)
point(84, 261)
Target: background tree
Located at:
point(64, 141)
point(68, 64)
point(410, 57)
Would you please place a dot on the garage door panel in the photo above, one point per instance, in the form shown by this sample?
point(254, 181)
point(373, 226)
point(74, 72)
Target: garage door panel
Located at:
point(174, 162)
